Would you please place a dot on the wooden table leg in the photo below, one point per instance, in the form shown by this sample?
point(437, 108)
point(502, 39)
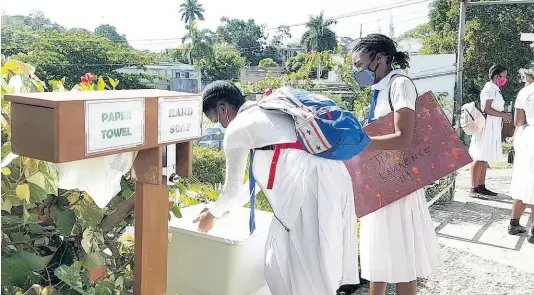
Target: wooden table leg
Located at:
point(151, 224)
point(151, 239)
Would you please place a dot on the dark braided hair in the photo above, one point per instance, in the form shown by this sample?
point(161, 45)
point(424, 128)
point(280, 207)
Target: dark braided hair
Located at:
point(378, 43)
point(220, 92)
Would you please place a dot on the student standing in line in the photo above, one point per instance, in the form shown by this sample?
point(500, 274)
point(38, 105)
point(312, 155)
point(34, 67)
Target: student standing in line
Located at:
point(486, 145)
point(312, 247)
point(398, 243)
point(522, 187)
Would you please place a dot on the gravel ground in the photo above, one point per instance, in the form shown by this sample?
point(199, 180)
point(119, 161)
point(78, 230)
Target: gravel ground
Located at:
point(465, 269)
point(467, 274)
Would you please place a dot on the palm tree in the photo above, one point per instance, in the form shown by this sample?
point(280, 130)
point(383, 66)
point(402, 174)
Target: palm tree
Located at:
point(199, 47)
point(191, 10)
point(199, 43)
point(318, 36)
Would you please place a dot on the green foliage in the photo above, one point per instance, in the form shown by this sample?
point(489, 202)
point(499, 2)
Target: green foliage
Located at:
point(225, 64)
point(267, 62)
point(248, 37)
point(418, 32)
point(57, 53)
point(199, 45)
point(110, 32)
point(54, 243)
point(208, 165)
point(318, 36)
point(308, 62)
point(492, 36)
point(191, 10)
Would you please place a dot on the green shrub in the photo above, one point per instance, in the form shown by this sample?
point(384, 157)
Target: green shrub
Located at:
point(208, 165)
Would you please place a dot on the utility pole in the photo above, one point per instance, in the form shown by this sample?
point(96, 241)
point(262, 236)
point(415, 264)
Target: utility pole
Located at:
point(361, 31)
point(460, 60)
point(199, 78)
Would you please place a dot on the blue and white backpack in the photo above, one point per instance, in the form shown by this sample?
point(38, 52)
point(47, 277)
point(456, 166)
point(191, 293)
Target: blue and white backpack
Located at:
point(323, 128)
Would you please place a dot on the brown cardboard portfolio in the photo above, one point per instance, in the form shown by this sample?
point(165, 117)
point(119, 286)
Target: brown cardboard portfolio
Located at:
point(380, 178)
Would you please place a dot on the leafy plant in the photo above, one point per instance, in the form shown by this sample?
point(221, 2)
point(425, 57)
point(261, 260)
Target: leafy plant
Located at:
point(57, 243)
point(267, 62)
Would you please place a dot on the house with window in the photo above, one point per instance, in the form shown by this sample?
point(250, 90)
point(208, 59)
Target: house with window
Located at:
point(171, 76)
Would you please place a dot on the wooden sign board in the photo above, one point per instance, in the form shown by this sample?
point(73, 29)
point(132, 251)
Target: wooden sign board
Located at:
point(77, 125)
point(179, 119)
point(380, 178)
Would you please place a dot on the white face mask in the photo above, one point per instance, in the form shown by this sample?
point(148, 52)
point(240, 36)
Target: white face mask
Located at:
point(219, 124)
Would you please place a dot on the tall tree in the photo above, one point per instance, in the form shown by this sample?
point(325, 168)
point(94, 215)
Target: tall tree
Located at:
point(226, 63)
point(199, 43)
point(492, 36)
point(247, 36)
point(318, 36)
point(282, 34)
point(191, 10)
point(109, 32)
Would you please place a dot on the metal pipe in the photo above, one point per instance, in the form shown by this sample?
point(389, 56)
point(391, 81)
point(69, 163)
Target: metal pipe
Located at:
point(460, 60)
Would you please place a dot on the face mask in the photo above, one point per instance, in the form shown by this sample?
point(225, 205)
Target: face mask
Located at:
point(219, 124)
point(501, 81)
point(366, 77)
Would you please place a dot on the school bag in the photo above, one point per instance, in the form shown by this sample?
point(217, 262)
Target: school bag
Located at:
point(323, 129)
point(472, 120)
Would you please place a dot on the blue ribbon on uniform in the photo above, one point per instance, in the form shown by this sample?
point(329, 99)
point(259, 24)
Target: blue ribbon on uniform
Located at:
point(373, 107)
point(252, 189)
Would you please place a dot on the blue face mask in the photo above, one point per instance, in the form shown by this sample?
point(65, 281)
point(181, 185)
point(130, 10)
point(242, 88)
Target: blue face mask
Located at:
point(365, 77)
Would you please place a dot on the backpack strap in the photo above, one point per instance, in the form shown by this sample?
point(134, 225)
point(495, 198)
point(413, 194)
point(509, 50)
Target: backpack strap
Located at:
point(389, 93)
point(277, 149)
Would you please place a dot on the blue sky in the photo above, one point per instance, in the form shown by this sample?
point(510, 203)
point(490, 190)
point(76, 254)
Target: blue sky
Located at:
point(156, 24)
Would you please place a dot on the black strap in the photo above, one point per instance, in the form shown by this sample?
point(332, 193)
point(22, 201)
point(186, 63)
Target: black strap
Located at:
point(389, 93)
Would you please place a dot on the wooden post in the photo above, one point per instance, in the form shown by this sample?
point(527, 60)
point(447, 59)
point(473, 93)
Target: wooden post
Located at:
point(151, 224)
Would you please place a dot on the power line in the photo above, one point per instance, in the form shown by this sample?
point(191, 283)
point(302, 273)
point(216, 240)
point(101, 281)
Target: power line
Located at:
point(348, 15)
point(361, 12)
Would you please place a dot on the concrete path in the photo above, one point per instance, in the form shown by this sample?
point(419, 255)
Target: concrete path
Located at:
point(479, 257)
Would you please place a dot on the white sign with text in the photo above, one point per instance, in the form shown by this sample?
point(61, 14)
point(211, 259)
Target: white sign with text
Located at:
point(179, 119)
point(114, 124)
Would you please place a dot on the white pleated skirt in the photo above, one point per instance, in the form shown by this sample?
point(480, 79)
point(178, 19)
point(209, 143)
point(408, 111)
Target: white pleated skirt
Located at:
point(398, 243)
point(486, 145)
point(314, 198)
point(522, 187)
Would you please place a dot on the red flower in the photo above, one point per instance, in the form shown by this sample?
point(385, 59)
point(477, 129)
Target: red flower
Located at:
point(88, 78)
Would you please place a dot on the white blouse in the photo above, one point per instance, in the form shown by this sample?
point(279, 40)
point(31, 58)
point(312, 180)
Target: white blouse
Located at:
point(492, 92)
point(403, 94)
point(525, 102)
point(253, 127)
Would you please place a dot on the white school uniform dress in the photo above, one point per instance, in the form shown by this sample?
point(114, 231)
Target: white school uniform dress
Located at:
point(312, 197)
point(486, 145)
point(522, 187)
point(398, 243)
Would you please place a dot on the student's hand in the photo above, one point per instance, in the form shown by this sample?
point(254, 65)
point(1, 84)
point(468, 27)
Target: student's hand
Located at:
point(205, 220)
point(510, 140)
point(507, 118)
